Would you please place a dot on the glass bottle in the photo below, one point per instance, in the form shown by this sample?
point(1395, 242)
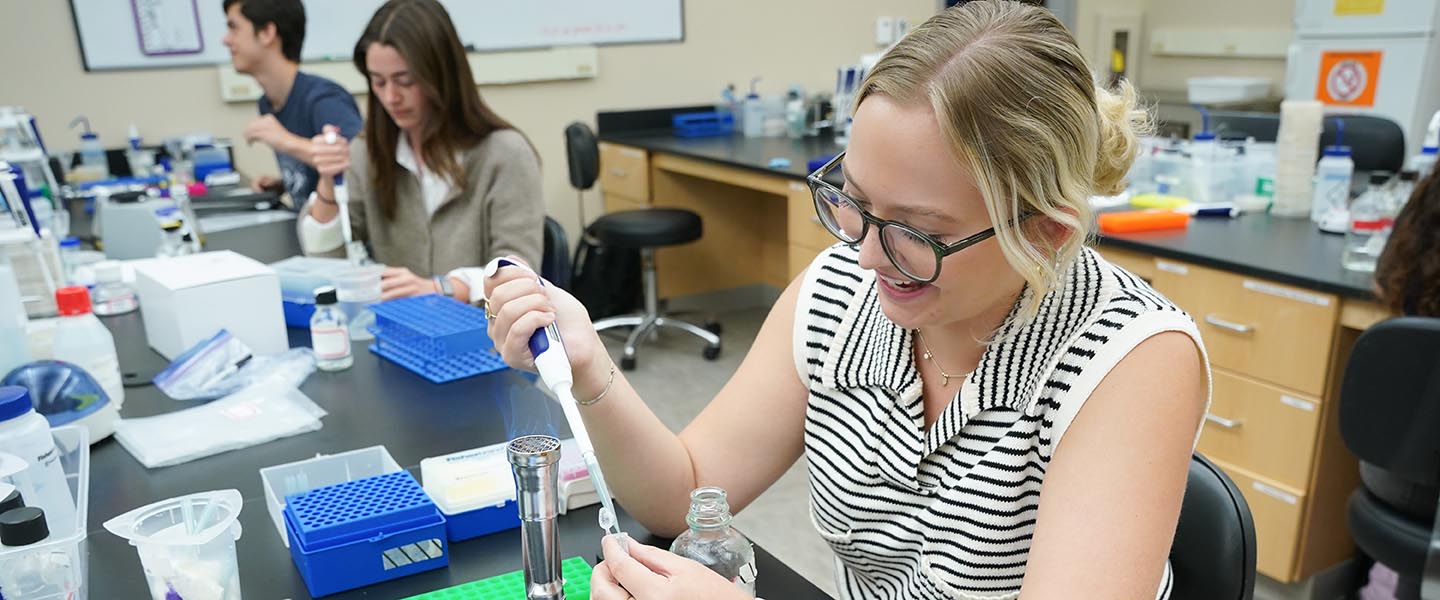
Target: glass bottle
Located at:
point(712, 542)
point(1370, 220)
point(329, 334)
point(111, 295)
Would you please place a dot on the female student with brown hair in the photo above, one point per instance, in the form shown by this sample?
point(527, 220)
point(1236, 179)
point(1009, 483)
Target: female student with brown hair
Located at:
point(438, 183)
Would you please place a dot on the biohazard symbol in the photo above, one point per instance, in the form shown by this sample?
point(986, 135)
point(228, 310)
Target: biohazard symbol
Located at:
point(1346, 81)
point(1348, 78)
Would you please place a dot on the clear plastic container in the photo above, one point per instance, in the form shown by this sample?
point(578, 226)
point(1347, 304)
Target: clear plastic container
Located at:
point(357, 288)
point(285, 480)
point(14, 347)
point(62, 556)
point(26, 434)
point(187, 544)
point(1332, 187)
point(112, 296)
point(92, 155)
point(712, 542)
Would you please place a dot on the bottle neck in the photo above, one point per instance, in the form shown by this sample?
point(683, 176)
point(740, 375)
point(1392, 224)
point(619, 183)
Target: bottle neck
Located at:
point(709, 510)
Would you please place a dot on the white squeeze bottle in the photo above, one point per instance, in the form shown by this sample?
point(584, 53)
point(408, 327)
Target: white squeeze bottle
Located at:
point(82, 340)
point(26, 434)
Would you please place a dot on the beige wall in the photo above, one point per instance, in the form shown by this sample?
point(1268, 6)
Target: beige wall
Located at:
point(1168, 73)
point(796, 41)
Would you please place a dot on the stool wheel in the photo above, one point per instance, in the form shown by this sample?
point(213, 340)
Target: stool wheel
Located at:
point(712, 326)
point(627, 363)
point(712, 352)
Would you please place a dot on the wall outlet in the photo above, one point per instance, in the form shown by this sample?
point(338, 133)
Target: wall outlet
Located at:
point(902, 27)
point(884, 31)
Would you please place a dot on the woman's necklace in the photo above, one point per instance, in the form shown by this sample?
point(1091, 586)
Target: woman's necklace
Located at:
point(927, 355)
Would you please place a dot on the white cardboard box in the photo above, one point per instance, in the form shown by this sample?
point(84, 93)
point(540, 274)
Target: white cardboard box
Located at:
point(185, 300)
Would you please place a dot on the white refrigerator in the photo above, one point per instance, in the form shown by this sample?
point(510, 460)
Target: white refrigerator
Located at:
point(1375, 57)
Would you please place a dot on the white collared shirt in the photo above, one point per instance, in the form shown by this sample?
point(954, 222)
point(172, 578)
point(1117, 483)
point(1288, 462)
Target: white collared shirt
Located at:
point(317, 237)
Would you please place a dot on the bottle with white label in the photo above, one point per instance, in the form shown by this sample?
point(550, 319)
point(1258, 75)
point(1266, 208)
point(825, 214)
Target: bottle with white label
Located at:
point(26, 434)
point(1329, 209)
point(329, 333)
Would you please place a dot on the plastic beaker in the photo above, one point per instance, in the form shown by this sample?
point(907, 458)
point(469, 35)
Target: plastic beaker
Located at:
point(187, 545)
point(356, 288)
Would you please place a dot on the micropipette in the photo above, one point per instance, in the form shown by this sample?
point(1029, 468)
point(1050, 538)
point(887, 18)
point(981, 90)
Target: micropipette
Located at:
point(353, 251)
point(554, 366)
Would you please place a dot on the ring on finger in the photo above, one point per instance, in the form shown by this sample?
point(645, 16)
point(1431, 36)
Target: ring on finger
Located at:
point(488, 314)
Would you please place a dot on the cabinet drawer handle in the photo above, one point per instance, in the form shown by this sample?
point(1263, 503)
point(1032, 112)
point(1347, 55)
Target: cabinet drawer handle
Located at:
point(1232, 326)
point(617, 172)
point(1224, 422)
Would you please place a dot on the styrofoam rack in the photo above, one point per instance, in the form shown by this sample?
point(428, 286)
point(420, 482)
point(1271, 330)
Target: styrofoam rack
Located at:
point(512, 585)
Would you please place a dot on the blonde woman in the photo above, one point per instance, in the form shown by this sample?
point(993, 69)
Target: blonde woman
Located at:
point(988, 409)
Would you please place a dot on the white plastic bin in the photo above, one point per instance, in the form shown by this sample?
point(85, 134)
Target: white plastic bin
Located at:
point(61, 558)
point(322, 470)
point(1223, 90)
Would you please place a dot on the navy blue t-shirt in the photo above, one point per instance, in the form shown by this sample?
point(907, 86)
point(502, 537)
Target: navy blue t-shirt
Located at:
point(314, 102)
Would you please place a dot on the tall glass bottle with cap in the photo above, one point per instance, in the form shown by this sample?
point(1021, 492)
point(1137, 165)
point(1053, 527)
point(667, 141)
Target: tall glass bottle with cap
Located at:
point(329, 333)
point(712, 542)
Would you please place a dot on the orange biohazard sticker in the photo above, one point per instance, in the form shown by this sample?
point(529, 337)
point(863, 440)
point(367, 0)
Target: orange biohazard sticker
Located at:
point(1348, 78)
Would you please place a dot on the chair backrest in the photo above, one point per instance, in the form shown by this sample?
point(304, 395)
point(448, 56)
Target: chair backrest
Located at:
point(1376, 143)
point(1390, 398)
point(582, 152)
point(555, 263)
point(1213, 554)
point(1263, 126)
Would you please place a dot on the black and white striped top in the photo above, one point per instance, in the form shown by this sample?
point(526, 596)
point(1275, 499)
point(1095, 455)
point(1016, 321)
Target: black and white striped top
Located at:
point(948, 511)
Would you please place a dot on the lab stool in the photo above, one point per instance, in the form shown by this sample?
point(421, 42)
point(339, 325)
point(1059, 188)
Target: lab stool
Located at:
point(647, 230)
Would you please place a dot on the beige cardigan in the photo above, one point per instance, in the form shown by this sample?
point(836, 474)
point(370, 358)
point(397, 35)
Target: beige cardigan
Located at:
point(495, 210)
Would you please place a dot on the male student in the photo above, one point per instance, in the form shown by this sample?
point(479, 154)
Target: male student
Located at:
point(264, 38)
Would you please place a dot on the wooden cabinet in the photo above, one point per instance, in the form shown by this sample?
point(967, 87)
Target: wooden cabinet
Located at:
point(624, 177)
point(1276, 333)
point(804, 234)
point(1277, 514)
point(1267, 430)
point(1276, 352)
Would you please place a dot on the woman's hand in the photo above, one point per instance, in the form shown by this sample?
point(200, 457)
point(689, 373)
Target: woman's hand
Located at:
point(399, 282)
point(649, 573)
point(329, 160)
point(520, 305)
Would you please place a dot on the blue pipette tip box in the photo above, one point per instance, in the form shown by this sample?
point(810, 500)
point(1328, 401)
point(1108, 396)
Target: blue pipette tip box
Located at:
point(438, 338)
point(363, 532)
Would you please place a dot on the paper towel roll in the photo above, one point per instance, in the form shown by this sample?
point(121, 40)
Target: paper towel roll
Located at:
point(1296, 149)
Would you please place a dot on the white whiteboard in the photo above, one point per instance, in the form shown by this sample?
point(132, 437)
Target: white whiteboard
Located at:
point(110, 38)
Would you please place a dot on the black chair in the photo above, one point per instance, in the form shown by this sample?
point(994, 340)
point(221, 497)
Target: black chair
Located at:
point(1390, 420)
point(644, 230)
point(555, 263)
point(1213, 555)
point(1263, 126)
point(1376, 143)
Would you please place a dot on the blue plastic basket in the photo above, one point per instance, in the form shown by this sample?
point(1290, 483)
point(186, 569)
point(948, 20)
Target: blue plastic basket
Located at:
point(703, 124)
point(438, 338)
point(432, 325)
point(438, 369)
point(363, 532)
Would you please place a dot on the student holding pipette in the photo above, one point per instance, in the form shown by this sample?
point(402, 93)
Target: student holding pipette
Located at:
point(988, 408)
point(438, 184)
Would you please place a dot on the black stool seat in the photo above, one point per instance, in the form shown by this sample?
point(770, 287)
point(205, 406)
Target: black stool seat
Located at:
point(646, 228)
point(1394, 539)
